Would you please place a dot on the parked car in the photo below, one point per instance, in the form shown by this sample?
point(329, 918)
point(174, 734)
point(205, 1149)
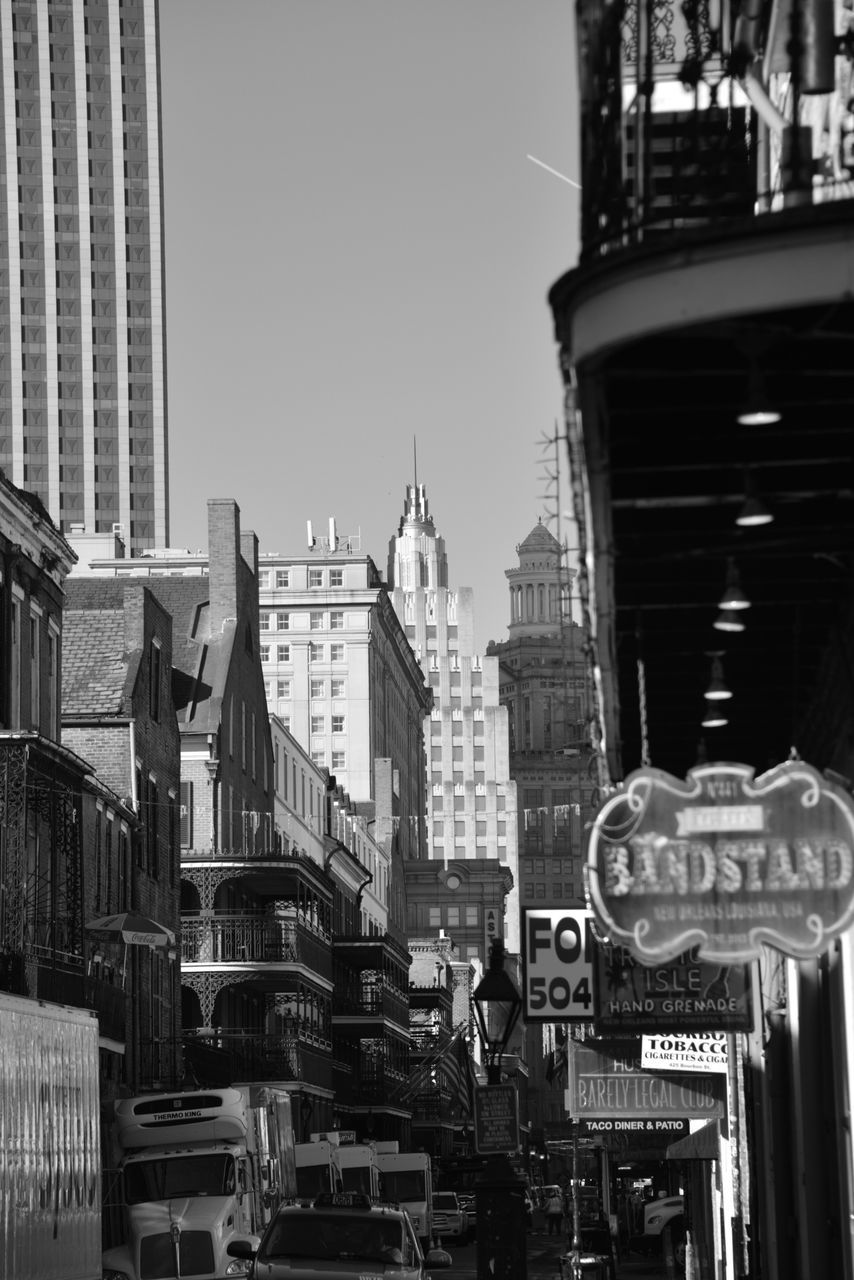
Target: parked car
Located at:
point(450, 1220)
point(339, 1236)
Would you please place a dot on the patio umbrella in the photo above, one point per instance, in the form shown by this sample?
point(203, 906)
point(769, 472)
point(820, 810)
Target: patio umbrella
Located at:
point(132, 927)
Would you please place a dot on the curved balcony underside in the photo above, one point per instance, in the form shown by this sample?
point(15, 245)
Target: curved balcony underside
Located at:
point(662, 341)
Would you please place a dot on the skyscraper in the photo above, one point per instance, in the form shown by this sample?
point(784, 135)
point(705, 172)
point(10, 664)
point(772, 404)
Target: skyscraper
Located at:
point(82, 331)
point(472, 800)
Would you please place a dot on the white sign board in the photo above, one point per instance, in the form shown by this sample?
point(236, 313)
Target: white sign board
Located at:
point(684, 1051)
point(557, 954)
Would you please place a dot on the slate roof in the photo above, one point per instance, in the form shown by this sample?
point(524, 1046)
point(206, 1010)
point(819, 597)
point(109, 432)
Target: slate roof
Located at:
point(199, 665)
point(95, 670)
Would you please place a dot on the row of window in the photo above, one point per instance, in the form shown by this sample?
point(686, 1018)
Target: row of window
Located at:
point(453, 917)
point(337, 762)
point(318, 620)
point(281, 578)
point(537, 891)
point(316, 653)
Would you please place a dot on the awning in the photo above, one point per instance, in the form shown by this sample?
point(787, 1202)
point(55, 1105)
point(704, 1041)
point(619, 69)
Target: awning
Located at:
point(703, 1144)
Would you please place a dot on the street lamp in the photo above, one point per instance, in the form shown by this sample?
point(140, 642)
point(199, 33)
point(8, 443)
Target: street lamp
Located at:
point(497, 1005)
point(501, 1217)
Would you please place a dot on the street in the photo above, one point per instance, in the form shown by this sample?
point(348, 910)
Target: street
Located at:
point(544, 1254)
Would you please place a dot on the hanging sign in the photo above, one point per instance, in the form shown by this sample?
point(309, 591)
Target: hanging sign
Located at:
point(557, 957)
point(724, 863)
point(685, 993)
point(606, 1082)
point(684, 1052)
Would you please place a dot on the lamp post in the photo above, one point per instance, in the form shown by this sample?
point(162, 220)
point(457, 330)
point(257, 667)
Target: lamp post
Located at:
point(501, 1218)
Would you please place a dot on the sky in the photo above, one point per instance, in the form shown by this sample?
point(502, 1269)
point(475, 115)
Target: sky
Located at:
point(358, 255)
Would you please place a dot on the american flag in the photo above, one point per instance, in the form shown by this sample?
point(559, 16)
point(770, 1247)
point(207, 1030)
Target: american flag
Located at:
point(459, 1073)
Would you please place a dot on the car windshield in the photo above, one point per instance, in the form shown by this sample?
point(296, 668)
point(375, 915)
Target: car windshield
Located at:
point(444, 1201)
point(344, 1236)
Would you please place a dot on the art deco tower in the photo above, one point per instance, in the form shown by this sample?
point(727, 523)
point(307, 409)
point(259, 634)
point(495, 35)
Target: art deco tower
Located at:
point(82, 332)
point(472, 800)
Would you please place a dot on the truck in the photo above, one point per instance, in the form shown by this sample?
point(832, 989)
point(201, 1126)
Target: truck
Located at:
point(50, 1141)
point(358, 1168)
point(317, 1165)
point(199, 1170)
point(407, 1177)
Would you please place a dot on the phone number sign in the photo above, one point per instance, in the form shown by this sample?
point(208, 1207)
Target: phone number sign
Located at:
point(558, 963)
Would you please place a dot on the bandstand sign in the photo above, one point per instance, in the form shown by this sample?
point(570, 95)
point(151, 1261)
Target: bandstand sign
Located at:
point(724, 862)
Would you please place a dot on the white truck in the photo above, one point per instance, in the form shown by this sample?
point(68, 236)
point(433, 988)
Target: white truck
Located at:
point(317, 1165)
point(50, 1157)
point(199, 1170)
point(358, 1168)
point(407, 1178)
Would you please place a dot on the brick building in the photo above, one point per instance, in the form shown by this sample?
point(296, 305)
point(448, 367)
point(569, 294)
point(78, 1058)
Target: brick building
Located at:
point(118, 713)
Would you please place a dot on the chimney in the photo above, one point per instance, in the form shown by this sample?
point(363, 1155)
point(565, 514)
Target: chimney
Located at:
point(224, 553)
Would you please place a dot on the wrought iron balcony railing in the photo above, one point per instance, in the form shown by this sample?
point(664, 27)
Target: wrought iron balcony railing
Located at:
point(253, 939)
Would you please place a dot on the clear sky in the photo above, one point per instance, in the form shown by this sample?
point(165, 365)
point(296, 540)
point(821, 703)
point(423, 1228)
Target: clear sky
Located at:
point(358, 253)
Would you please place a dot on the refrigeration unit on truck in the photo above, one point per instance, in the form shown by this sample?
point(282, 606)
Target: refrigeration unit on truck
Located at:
point(317, 1165)
point(199, 1170)
point(50, 1157)
point(407, 1177)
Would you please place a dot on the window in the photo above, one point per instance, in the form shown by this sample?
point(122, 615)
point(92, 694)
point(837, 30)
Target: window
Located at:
point(434, 916)
point(453, 917)
point(318, 688)
point(152, 841)
point(53, 680)
point(336, 653)
point(283, 653)
point(35, 671)
point(336, 577)
point(154, 677)
point(315, 652)
point(282, 578)
point(268, 689)
point(265, 652)
point(315, 621)
point(315, 577)
point(339, 688)
point(339, 760)
point(318, 724)
point(337, 724)
point(283, 688)
point(318, 758)
point(336, 620)
point(274, 621)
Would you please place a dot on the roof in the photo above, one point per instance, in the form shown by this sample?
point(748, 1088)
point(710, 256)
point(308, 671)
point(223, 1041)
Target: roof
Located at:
point(96, 670)
point(98, 674)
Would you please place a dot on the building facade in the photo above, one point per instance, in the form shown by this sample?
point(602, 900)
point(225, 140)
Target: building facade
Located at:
point(82, 332)
point(704, 340)
point(471, 796)
point(343, 679)
point(544, 688)
point(118, 713)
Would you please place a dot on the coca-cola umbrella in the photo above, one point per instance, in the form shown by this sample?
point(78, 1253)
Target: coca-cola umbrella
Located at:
point(132, 928)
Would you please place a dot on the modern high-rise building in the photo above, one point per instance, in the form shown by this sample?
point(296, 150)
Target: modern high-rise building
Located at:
point(472, 800)
point(82, 330)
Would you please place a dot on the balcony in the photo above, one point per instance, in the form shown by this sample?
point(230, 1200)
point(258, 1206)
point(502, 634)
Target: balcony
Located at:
point(378, 1005)
point(272, 941)
point(712, 273)
point(288, 1060)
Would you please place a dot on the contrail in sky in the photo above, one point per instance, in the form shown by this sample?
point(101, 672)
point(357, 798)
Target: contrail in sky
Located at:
point(548, 167)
